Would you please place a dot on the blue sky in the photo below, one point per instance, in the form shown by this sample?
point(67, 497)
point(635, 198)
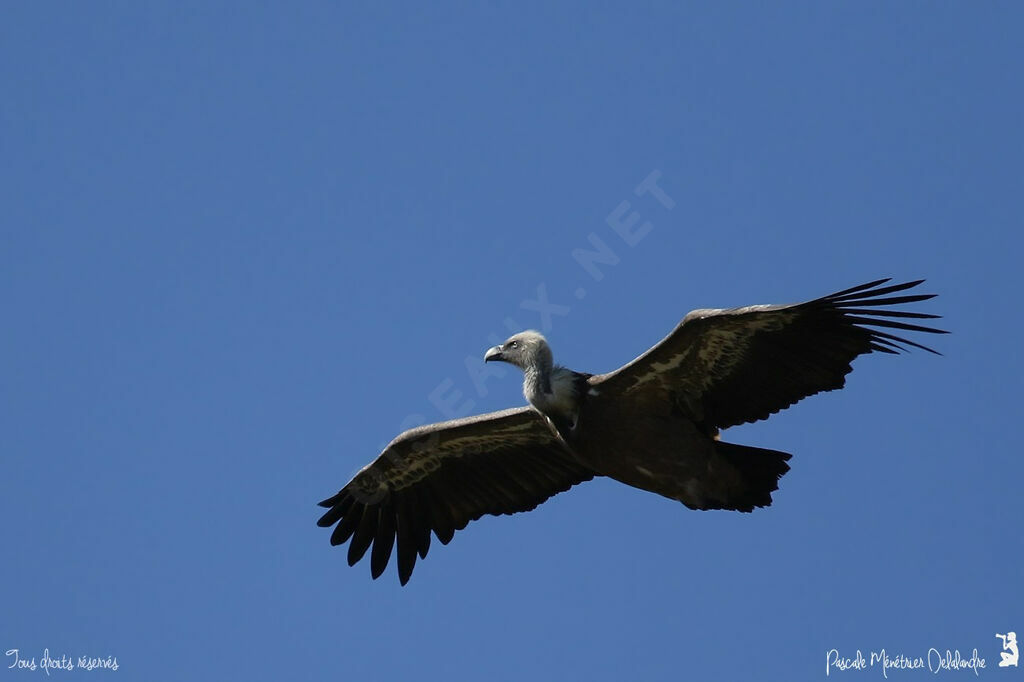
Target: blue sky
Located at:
point(243, 244)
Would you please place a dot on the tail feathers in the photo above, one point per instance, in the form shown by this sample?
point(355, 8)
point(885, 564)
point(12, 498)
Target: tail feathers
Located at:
point(741, 478)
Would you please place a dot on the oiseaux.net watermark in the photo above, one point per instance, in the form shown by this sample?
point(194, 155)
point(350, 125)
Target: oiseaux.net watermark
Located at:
point(625, 227)
point(935, 660)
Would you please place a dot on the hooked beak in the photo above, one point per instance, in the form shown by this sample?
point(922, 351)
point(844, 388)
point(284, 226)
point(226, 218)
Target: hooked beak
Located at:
point(494, 353)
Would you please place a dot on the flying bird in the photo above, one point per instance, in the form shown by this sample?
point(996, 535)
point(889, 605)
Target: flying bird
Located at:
point(652, 424)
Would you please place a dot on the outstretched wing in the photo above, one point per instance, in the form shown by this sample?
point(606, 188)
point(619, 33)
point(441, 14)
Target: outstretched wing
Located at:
point(442, 476)
point(736, 365)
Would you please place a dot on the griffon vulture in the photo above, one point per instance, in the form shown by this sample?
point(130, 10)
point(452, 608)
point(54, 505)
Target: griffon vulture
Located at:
point(652, 424)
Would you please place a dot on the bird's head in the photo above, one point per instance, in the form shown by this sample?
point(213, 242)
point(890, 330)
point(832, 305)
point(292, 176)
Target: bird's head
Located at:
point(525, 349)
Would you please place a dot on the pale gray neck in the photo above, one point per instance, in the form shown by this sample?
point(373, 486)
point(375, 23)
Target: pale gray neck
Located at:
point(537, 381)
point(552, 390)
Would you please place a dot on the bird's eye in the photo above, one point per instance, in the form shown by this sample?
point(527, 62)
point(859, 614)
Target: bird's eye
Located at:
point(513, 344)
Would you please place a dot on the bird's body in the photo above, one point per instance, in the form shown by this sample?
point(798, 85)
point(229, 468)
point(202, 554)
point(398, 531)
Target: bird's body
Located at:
point(676, 460)
point(652, 424)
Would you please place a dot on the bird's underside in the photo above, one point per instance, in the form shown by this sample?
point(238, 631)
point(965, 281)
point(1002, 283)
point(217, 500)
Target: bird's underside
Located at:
point(652, 424)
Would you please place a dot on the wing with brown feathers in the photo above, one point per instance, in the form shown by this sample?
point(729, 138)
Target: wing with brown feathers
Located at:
point(442, 476)
point(736, 365)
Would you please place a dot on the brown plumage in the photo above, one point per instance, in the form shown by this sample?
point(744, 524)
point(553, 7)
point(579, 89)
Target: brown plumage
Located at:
point(652, 424)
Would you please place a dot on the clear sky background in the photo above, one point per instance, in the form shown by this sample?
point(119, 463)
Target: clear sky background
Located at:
point(242, 244)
